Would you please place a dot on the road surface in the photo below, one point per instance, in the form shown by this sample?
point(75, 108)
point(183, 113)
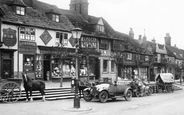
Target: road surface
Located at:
point(156, 104)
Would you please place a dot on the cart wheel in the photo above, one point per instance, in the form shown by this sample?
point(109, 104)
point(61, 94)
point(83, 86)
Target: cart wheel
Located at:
point(103, 96)
point(87, 96)
point(11, 92)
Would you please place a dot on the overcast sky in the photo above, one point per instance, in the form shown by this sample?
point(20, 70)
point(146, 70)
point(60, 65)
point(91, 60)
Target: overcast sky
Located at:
point(157, 17)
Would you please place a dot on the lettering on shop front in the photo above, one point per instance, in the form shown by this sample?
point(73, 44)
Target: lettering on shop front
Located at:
point(88, 42)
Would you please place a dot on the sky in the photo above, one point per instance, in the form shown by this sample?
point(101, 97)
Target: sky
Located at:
point(153, 18)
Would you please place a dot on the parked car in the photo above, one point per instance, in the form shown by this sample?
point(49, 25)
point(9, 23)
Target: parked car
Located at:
point(104, 91)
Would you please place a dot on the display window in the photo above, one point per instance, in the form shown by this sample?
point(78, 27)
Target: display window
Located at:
point(28, 62)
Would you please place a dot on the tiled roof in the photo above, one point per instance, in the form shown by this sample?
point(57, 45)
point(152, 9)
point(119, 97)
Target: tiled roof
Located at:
point(132, 44)
point(177, 52)
point(36, 15)
point(33, 17)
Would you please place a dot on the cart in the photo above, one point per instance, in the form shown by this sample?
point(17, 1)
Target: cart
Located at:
point(164, 82)
point(10, 90)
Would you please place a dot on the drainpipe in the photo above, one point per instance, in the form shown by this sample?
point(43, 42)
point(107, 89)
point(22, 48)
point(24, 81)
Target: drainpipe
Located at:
point(18, 52)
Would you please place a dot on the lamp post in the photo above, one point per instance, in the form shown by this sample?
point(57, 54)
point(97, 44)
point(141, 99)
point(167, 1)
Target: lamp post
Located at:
point(76, 33)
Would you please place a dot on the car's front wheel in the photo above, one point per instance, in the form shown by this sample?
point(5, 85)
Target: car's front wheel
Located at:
point(103, 96)
point(128, 95)
point(87, 96)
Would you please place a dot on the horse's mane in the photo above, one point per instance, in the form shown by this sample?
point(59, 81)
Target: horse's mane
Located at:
point(26, 78)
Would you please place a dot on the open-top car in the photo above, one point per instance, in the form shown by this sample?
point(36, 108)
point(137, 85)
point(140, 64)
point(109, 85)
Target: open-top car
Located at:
point(104, 91)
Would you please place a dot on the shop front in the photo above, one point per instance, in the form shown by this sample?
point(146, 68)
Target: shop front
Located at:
point(27, 51)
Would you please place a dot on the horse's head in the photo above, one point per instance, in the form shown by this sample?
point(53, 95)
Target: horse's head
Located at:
point(25, 77)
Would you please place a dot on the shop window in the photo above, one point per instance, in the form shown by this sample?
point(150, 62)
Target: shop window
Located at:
point(20, 10)
point(27, 34)
point(62, 38)
point(105, 65)
point(28, 62)
point(55, 17)
point(112, 66)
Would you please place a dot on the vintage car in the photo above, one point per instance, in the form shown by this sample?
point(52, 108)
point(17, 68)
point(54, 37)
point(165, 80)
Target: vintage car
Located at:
point(164, 82)
point(104, 91)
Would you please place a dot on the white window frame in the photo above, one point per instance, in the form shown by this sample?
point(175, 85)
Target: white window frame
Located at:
point(55, 17)
point(27, 34)
point(129, 56)
point(20, 10)
point(62, 38)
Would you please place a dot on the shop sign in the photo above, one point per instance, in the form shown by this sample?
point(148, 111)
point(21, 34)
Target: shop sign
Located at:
point(27, 47)
point(88, 42)
point(9, 37)
point(72, 41)
point(45, 37)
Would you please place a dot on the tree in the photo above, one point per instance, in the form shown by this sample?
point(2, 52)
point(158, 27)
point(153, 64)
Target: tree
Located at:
point(118, 57)
point(151, 63)
point(59, 53)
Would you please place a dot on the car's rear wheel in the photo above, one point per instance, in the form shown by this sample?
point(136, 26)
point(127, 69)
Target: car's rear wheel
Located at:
point(128, 95)
point(103, 96)
point(87, 96)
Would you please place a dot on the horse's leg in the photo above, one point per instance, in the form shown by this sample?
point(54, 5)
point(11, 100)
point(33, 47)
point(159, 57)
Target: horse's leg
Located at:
point(27, 96)
point(43, 94)
point(31, 98)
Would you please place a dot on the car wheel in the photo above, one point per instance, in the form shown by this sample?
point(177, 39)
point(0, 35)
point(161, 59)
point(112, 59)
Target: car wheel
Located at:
point(87, 96)
point(149, 91)
point(103, 96)
point(128, 95)
point(137, 94)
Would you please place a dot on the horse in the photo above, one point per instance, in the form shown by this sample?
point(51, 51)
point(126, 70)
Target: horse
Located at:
point(33, 85)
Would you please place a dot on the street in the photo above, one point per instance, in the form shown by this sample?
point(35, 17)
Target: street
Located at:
point(156, 104)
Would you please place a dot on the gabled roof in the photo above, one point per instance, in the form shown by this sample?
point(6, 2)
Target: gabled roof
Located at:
point(177, 52)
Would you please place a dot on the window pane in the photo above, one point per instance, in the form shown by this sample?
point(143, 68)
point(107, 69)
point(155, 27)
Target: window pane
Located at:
point(105, 65)
point(112, 66)
point(17, 10)
point(57, 18)
point(22, 11)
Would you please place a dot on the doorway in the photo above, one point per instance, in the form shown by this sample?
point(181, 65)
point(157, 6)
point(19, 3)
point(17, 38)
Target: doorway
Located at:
point(46, 70)
point(6, 69)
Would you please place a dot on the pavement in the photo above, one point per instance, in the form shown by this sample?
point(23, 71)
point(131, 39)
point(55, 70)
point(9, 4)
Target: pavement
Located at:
point(67, 84)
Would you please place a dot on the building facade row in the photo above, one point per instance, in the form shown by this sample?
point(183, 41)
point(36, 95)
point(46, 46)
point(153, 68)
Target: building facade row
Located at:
point(36, 38)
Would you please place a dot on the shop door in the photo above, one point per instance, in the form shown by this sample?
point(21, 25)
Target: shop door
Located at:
point(46, 71)
point(6, 69)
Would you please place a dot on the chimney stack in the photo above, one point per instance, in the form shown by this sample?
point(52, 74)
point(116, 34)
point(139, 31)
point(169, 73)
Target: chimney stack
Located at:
point(80, 6)
point(131, 33)
point(167, 40)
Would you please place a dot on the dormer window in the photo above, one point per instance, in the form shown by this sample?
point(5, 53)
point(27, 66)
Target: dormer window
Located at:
point(20, 10)
point(100, 28)
point(55, 17)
